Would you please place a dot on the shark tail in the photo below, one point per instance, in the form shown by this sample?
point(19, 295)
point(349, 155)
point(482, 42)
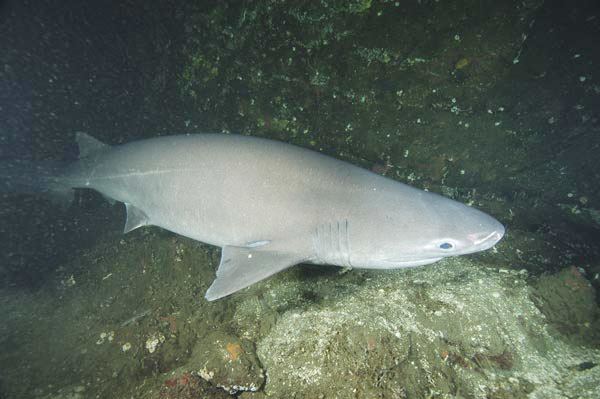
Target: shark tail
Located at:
point(46, 177)
point(35, 177)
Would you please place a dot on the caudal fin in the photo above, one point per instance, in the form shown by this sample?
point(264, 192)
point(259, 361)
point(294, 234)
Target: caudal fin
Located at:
point(38, 177)
point(45, 177)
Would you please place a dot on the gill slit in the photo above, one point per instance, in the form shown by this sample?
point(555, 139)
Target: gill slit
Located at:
point(331, 243)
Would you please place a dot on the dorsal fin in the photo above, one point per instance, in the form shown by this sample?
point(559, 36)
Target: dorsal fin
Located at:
point(88, 145)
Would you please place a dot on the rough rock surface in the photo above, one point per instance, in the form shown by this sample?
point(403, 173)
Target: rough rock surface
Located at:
point(448, 329)
point(227, 362)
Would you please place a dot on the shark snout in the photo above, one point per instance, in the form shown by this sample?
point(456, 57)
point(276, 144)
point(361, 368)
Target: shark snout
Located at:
point(489, 237)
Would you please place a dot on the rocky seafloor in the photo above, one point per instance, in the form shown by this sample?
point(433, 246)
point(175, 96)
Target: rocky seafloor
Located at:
point(460, 328)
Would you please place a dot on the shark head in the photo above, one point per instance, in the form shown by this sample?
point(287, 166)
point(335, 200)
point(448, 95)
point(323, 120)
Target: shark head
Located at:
point(423, 231)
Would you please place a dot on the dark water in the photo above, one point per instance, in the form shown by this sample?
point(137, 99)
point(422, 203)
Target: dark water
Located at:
point(495, 104)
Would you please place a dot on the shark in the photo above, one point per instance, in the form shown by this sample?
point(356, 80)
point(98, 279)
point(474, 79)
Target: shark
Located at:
point(267, 204)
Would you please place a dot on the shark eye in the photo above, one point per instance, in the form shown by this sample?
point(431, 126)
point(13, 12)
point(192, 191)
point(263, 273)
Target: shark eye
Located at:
point(446, 245)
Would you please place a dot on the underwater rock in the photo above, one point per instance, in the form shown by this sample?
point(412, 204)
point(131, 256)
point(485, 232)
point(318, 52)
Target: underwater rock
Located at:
point(185, 385)
point(226, 362)
point(581, 213)
point(448, 329)
point(71, 392)
point(568, 300)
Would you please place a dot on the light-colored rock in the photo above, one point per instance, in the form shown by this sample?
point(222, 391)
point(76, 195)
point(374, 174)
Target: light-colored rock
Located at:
point(449, 329)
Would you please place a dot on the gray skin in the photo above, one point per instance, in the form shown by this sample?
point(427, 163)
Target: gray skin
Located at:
point(271, 205)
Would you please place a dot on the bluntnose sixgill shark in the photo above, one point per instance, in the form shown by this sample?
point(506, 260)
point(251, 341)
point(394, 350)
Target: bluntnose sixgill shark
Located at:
point(269, 205)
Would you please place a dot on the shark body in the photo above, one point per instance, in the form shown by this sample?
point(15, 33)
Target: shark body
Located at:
point(271, 205)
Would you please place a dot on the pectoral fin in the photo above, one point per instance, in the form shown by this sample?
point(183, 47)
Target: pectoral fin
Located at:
point(241, 267)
